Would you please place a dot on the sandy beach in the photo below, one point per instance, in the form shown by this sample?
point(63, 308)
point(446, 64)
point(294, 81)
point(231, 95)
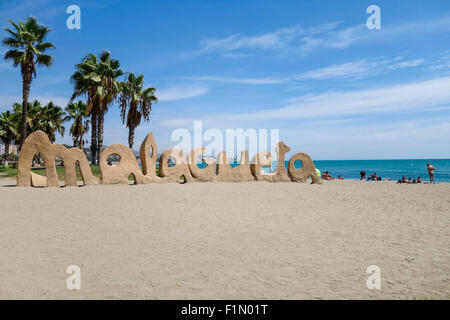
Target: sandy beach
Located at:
point(249, 240)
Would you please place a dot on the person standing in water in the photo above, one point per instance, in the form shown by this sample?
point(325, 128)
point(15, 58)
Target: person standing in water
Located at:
point(431, 169)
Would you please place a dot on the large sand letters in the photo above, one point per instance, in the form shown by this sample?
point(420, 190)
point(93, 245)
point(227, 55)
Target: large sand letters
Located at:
point(241, 172)
point(179, 166)
point(127, 166)
point(262, 159)
point(172, 165)
point(38, 142)
point(205, 174)
point(149, 162)
point(281, 173)
point(307, 169)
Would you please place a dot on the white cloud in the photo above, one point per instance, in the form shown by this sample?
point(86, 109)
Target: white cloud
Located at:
point(406, 64)
point(298, 39)
point(345, 70)
point(267, 80)
point(275, 39)
point(412, 97)
point(235, 55)
point(359, 69)
point(350, 70)
point(324, 35)
point(337, 39)
point(346, 37)
point(408, 97)
point(180, 92)
point(442, 63)
point(280, 38)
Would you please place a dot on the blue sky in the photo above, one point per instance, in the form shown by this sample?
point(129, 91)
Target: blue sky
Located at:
point(311, 69)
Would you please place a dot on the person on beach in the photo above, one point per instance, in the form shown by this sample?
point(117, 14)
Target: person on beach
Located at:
point(403, 180)
point(363, 175)
point(340, 177)
point(326, 176)
point(373, 177)
point(431, 169)
point(419, 180)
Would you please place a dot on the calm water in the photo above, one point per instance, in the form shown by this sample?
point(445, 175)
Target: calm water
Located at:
point(393, 169)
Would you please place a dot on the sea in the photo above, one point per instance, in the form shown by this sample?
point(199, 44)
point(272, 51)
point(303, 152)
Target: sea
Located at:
point(386, 169)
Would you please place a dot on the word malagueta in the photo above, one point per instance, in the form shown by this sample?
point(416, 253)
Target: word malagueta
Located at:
point(173, 165)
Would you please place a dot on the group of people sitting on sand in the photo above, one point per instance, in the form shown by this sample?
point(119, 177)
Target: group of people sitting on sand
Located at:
point(372, 177)
point(326, 176)
point(409, 180)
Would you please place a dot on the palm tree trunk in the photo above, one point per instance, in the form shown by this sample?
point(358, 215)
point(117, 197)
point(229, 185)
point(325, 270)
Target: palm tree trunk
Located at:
point(26, 84)
point(6, 155)
point(94, 137)
point(101, 120)
point(131, 136)
point(76, 132)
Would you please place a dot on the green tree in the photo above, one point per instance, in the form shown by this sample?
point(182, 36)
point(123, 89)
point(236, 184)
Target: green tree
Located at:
point(8, 130)
point(80, 126)
point(50, 120)
point(96, 78)
point(30, 119)
point(27, 43)
point(137, 101)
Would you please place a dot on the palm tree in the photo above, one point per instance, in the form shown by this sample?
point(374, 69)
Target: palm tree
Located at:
point(96, 78)
point(27, 45)
point(77, 113)
point(86, 81)
point(138, 101)
point(8, 130)
point(50, 120)
point(34, 116)
point(31, 119)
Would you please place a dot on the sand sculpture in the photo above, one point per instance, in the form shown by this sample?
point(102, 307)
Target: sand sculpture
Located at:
point(241, 172)
point(38, 142)
point(281, 174)
point(38, 180)
point(149, 161)
point(307, 169)
point(172, 165)
point(205, 174)
point(264, 159)
point(129, 165)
